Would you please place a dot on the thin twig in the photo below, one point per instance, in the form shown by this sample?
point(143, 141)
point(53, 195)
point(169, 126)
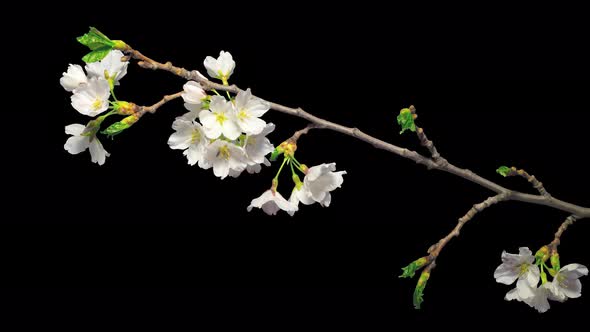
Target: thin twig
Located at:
point(530, 178)
point(436, 248)
point(153, 108)
point(557, 240)
point(425, 142)
point(582, 212)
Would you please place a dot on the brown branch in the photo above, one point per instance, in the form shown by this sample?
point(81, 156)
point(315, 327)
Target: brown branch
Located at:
point(580, 211)
point(425, 142)
point(530, 178)
point(436, 248)
point(153, 108)
point(301, 132)
point(557, 240)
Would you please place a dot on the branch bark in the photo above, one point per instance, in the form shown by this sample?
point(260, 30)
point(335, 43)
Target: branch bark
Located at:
point(430, 163)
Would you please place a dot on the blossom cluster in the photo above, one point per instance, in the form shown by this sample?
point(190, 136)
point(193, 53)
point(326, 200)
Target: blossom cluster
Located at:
point(527, 270)
point(91, 92)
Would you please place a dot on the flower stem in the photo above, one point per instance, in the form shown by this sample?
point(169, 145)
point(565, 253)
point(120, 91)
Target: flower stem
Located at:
point(215, 91)
point(281, 168)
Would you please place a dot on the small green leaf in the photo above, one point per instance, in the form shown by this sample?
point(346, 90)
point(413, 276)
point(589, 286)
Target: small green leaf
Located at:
point(410, 270)
point(406, 120)
point(418, 297)
point(276, 153)
point(503, 170)
point(115, 129)
point(95, 39)
point(96, 55)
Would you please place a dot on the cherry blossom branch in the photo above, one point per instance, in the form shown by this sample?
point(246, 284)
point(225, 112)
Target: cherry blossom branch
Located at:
point(156, 106)
point(425, 142)
point(530, 178)
point(436, 248)
point(557, 240)
point(301, 132)
point(430, 163)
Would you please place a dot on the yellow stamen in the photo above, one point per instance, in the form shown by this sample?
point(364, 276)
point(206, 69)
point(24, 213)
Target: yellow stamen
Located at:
point(195, 137)
point(224, 152)
point(220, 117)
point(97, 104)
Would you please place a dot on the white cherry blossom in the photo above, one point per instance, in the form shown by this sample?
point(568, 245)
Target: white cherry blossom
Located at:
point(519, 267)
point(190, 137)
point(111, 66)
point(258, 146)
point(93, 98)
point(219, 119)
point(73, 78)
point(78, 143)
point(271, 202)
point(566, 284)
point(224, 157)
point(193, 95)
point(220, 68)
point(248, 112)
point(319, 181)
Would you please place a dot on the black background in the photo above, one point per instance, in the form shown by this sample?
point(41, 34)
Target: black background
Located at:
point(146, 230)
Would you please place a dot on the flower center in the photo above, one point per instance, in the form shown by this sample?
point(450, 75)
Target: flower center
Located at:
point(242, 114)
point(224, 152)
point(96, 104)
point(251, 140)
point(523, 269)
point(195, 136)
point(220, 117)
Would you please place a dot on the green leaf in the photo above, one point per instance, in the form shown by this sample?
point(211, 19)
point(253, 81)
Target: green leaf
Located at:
point(418, 297)
point(277, 151)
point(115, 129)
point(96, 55)
point(503, 170)
point(95, 39)
point(406, 120)
point(410, 270)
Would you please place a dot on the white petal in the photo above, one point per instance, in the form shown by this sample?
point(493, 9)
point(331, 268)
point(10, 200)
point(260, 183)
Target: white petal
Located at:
point(526, 254)
point(75, 129)
point(211, 66)
point(97, 153)
point(181, 139)
point(252, 169)
point(533, 275)
point(193, 93)
point(221, 168)
point(242, 98)
point(512, 295)
point(256, 107)
point(506, 274)
point(304, 196)
point(251, 125)
point(525, 290)
point(574, 271)
point(77, 144)
point(257, 202)
point(270, 208)
point(193, 107)
point(73, 78)
point(194, 153)
point(293, 200)
point(230, 129)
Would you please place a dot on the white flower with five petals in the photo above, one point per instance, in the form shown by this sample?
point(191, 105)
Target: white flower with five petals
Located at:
point(93, 98)
point(538, 298)
point(193, 96)
point(224, 157)
point(220, 68)
point(519, 267)
point(258, 146)
point(248, 112)
point(110, 67)
point(565, 283)
point(190, 137)
point(320, 180)
point(219, 119)
point(73, 78)
point(78, 143)
point(271, 202)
